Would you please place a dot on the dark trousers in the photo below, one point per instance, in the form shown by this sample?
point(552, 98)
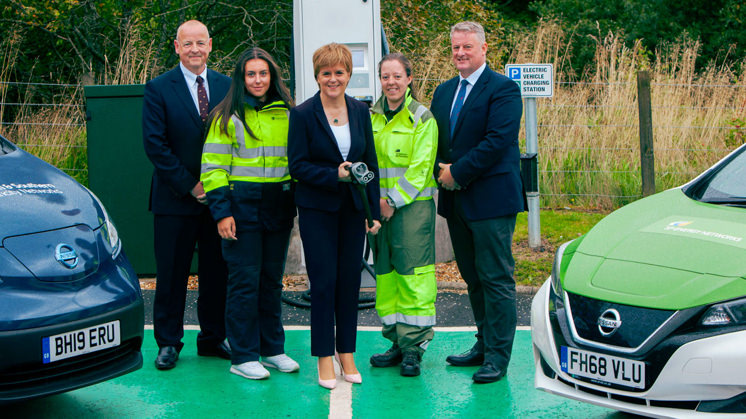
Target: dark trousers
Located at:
point(333, 247)
point(253, 312)
point(485, 260)
point(175, 240)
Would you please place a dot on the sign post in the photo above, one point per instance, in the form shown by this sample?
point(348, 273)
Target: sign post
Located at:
point(534, 80)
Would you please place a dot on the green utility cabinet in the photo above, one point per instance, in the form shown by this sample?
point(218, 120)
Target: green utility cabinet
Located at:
point(119, 172)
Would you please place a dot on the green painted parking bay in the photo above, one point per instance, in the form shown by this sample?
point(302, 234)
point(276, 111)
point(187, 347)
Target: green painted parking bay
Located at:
point(202, 387)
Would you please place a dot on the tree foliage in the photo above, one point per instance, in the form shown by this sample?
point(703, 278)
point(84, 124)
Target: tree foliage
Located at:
point(66, 40)
point(717, 24)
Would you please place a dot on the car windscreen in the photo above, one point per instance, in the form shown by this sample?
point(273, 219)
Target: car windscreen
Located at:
point(6, 146)
point(726, 184)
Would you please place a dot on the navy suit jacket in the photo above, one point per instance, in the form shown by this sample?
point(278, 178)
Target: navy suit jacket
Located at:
point(484, 149)
point(173, 136)
point(314, 157)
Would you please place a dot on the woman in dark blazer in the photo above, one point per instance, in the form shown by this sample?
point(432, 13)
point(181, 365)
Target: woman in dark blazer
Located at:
point(327, 133)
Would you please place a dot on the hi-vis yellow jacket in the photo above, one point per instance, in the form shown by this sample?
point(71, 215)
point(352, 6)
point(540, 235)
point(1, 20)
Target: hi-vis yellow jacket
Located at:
point(248, 178)
point(406, 148)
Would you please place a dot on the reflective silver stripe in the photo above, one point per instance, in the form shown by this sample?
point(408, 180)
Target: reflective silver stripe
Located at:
point(408, 188)
point(410, 320)
point(392, 172)
point(216, 148)
point(275, 151)
point(394, 194)
point(415, 320)
point(265, 172)
point(418, 115)
point(206, 167)
point(238, 125)
point(389, 320)
point(252, 153)
point(429, 191)
point(399, 201)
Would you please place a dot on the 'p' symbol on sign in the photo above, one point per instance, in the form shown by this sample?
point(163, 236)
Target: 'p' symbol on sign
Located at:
point(514, 73)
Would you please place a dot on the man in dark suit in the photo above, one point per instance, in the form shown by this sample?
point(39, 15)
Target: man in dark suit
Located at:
point(174, 113)
point(478, 167)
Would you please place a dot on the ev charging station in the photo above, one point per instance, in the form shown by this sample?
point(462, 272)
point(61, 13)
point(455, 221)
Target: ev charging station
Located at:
point(355, 23)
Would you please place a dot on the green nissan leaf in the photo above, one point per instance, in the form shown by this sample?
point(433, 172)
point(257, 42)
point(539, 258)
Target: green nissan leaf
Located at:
point(646, 313)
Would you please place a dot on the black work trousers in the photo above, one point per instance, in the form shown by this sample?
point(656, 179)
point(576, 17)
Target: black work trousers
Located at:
point(253, 315)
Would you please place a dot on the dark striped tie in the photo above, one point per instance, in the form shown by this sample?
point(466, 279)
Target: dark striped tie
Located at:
point(202, 98)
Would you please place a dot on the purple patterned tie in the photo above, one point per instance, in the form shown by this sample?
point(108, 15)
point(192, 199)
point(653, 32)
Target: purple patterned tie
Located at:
point(202, 98)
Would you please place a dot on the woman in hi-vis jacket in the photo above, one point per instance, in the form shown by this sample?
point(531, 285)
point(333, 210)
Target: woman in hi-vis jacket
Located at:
point(246, 178)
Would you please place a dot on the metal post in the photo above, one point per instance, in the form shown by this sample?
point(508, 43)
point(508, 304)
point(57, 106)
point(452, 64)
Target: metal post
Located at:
point(532, 146)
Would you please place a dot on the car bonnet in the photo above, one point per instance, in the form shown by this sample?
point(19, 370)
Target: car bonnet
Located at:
point(666, 251)
point(36, 197)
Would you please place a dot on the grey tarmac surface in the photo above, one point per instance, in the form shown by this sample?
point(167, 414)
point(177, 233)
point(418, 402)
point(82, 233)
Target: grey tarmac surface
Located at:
point(452, 309)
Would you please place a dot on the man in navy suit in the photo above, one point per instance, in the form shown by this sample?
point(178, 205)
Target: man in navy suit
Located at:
point(478, 167)
point(175, 109)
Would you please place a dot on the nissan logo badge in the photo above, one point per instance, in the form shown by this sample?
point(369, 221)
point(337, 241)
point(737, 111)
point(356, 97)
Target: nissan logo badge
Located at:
point(609, 322)
point(66, 255)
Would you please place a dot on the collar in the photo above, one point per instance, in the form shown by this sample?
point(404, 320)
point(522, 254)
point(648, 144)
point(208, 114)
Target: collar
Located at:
point(382, 106)
point(472, 79)
point(190, 77)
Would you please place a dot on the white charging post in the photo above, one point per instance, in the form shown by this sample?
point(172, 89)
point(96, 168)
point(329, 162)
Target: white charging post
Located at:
point(534, 80)
point(355, 23)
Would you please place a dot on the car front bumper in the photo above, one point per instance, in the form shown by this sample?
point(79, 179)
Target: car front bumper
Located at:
point(24, 375)
point(695, 379)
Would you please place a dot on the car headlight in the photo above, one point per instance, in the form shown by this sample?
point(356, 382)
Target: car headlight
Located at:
point(725, 314)
point(108, 229)
point(557, 268)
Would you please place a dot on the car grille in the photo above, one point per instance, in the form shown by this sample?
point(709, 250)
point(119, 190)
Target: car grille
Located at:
point(24, 379)
point(637, 323)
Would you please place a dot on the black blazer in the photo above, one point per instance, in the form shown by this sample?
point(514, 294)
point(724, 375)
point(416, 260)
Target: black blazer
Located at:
point(484, 148)
point(313, 156)
point(173, 136)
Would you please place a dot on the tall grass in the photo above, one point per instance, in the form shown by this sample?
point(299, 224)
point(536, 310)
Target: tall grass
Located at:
point(588, 132)
point(56, 133)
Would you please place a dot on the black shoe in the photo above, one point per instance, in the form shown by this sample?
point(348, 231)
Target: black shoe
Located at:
point(167, 357)
point(470, 358)
point(410, 365)
point(488, 373)
point(390, 358)
point(223, 350)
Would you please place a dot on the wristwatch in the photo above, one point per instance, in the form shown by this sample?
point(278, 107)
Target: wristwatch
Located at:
point(391, 202)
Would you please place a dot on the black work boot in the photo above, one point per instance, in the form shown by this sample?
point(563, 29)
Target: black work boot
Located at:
point(389, 358)
point(410, 365)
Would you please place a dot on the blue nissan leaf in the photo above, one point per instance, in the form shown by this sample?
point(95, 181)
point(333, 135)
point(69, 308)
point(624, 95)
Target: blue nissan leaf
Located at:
point(71, 310)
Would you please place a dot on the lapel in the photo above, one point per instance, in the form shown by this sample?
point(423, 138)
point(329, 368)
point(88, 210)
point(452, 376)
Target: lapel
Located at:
point(476, 91)
point(318, 111)
point(444, 105)
point(356, 140)
point(212, 81)
point(181, 90)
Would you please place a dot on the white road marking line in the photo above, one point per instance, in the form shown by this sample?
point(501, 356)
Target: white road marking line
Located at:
point(340, 399)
